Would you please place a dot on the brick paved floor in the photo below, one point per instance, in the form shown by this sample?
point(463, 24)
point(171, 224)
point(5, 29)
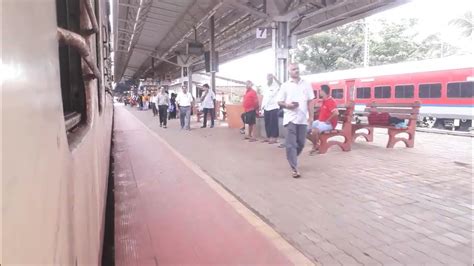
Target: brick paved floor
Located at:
point(369, 206)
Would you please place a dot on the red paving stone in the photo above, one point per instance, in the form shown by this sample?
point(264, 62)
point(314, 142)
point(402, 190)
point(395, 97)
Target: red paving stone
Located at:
point(166, 214)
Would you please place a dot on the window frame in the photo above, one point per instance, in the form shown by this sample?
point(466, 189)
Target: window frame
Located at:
point(404, 86)
point(383, 86)
point(459, 82)
point(338, 89)
point(73, 87)
point(366, 87)
point(429, 91)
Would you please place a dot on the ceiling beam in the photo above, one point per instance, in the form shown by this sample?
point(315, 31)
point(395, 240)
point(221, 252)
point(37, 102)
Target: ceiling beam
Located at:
point(248, 9)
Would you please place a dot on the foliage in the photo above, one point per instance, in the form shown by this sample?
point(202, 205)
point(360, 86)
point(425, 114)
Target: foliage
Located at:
point(389, 42)
point(466, 24)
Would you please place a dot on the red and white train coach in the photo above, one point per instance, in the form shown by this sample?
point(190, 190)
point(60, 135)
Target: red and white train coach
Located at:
point(444, 87)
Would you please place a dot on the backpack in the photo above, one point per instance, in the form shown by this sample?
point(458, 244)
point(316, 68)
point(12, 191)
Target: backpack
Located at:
point(379, 119)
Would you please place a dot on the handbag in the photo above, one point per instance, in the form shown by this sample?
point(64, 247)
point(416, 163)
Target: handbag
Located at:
point(379, 119)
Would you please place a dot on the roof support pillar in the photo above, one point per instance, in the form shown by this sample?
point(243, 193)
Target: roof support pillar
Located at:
point(212, 53)
point(280, 45)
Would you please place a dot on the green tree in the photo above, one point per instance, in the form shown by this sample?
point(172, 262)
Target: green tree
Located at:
point(393, 43)
point(466, 23)
point(341, 47)
point(433, 47)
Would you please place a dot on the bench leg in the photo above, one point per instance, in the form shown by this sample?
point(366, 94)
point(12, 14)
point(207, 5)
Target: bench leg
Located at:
point(369, 136)
point(392, 139)
point(324, 144)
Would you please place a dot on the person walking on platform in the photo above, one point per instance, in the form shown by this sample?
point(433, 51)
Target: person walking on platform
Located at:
point(270, 109)
point(296, 97)
point(250, 105)
point(154, 103)
point(172, 107)
point(163, 101)
point(185, 101)
point(140, 102)
point(207, 103)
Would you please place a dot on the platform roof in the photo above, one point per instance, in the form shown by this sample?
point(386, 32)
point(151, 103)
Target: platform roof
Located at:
point(150, 35)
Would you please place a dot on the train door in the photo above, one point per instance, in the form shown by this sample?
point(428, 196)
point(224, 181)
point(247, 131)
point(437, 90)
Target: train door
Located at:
point(350, 90)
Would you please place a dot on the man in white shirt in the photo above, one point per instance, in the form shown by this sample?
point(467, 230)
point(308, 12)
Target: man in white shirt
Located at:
point(270, 108)
point(296, 97)
point(185, 101)
point(207, 103)
point(153, 104)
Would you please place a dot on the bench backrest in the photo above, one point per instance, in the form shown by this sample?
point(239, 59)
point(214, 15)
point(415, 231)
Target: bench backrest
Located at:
point(408, 111)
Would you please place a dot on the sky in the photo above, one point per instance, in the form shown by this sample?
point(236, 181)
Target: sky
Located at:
point(433, 17)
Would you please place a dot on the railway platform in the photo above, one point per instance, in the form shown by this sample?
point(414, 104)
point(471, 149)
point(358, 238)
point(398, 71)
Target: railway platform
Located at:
point(369, 206)
point(170, 212)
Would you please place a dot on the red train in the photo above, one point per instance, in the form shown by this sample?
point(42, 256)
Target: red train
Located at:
point(444, 87)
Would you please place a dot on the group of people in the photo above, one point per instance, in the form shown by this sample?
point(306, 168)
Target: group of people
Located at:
point(296, 98)
point(162, 105)
point(181, 103)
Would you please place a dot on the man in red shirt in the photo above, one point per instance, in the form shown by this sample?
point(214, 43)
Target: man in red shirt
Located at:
point(327, 120)
point(250, 107)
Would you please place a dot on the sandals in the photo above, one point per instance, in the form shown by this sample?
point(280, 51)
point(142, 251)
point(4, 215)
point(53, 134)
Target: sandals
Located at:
point(252, 139)
point(295, 174)
point(314, 151)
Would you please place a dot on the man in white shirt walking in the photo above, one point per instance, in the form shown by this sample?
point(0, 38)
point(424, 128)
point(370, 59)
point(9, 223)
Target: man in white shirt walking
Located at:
point(185, 101)
point(296, 97)
point(270, 108)
point(207, 103)
point(153, 103)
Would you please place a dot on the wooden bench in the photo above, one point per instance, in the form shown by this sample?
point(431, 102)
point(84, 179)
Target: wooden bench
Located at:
point(344, 118)
point(406, 111)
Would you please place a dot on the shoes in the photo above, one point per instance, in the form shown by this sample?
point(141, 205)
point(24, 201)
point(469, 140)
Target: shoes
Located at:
point(295, 174)
point(203, 127)
point(211, 126)
point(242, 131)
point(164, 126)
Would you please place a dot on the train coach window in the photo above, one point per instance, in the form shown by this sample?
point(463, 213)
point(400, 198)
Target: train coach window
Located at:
point(337, 93)
point(429, 90)
point(363, 93)
point(70, 70)
point(461, 89)
point(382, 92)
point(404, 91)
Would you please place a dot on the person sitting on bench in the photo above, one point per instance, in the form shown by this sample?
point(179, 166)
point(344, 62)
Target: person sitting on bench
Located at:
point(327, 120)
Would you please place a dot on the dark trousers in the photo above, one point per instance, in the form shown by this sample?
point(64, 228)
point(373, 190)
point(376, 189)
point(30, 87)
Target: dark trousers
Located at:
point(271, 123)
point(163, 110)
point(153, 107)
point(213, 114)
